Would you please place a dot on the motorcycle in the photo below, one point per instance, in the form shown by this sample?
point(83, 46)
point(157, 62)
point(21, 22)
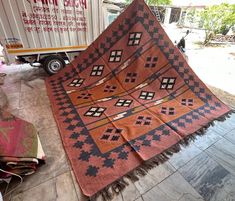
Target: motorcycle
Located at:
point(181, 45)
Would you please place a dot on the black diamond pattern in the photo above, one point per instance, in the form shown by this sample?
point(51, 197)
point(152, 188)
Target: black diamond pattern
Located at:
point(151, 62)
point(167, 83)
point(95, 111)
point(168, 110)
point(146, 95)
point(131, 77)
point(134, 39)
point(109, 89)
point(123, 103)
point(115, 56)
point(76, 82)
point(97, 70)
point(143, 121)
point(92, 171)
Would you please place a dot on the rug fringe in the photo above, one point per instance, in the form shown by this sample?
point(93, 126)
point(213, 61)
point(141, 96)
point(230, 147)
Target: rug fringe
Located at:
point(119, 185)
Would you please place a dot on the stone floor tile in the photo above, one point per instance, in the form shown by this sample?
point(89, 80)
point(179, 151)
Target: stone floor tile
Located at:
point(174, 187)
point(80, 195)
point(130, 193)
point(184, 155)
point(206, 140)
point(3, 99)
point(162, 171)
point(210, 180)
point(115, 198)
point(13, 100)
point(138, 199)
point(156, 193)
point(230, 136)
point(37, 84)
point(40, 116)
point(49, 135)
point(223, 152)
point(60, 189)
point(65, 188)
point(145, 183)
point(224, 127)
point(154, 176)
point(231, 118)
point(118, 198)
point(33, 98)
point(12, 88)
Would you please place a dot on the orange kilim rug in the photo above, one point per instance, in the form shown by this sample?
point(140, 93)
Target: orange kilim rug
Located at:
point(126, 102)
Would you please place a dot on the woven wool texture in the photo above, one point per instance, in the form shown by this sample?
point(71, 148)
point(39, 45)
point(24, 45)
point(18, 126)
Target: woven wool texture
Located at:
point(128, 98)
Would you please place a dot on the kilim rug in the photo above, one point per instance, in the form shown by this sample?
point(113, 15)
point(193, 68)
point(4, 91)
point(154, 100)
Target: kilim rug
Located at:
point(127, 102)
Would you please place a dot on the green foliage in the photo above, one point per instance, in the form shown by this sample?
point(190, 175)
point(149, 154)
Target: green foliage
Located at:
point(154, 2)
point(217, 19)
point(191, 15)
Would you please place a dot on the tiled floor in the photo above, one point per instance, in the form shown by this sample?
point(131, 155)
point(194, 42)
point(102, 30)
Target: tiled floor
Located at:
point(202, 171)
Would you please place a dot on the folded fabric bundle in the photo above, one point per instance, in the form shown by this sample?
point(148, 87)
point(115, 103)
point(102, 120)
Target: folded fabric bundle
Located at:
point(20, 148)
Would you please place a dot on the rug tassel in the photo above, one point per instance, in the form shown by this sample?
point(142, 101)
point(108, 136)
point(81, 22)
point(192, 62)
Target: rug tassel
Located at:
point(140, 171)
point(132, 177)
point(118, 186)
point(106, 194)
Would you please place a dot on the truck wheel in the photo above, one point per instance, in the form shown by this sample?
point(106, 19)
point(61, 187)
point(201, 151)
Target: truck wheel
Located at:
point(53, 64)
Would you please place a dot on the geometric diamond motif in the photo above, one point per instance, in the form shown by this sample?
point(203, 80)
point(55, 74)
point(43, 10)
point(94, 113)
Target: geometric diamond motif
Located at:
point(146, 143)
point(115, 56)
point(134, 38)
point(168, 111)
point(151, 62)
point(143, 121)
point(145, 95)
point(168, 82)
point(109, 162)
point(111, 134)
point(123, 155)
point(187, 102)
point(131, 77)
point(84, 96)
point(92, 171)
point(109, 89)
point(95, 111)
point(97, 70)
point(165, 132)
point(84, 156)
point(76, 83)
point(156, 137)
point(123, 103)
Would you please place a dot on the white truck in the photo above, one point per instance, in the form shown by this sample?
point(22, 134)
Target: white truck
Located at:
point(50, 33)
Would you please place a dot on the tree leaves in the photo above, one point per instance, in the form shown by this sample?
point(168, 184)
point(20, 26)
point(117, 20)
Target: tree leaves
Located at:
point(154, 2)
point(218, 19)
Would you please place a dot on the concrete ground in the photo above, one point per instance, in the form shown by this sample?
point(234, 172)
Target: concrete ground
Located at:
point(202, 171)
point(214, 65)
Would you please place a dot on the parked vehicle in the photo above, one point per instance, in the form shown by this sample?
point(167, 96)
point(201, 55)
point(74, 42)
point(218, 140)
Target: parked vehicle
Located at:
point(50, 33)
point(182, 44)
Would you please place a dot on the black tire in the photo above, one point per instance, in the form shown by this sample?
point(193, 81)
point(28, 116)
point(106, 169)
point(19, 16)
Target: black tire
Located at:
point(53, 64)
